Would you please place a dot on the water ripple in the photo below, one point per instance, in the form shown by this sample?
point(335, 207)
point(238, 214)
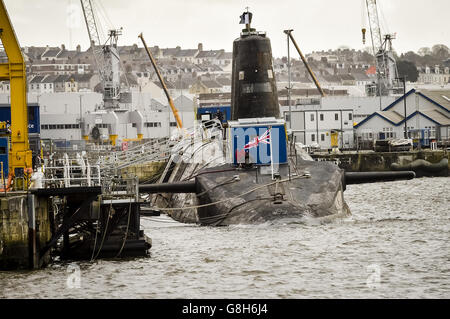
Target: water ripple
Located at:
point(398, 231)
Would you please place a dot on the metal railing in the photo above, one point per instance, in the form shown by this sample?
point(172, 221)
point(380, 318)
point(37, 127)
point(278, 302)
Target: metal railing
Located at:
point(71, 176)
point(66, 172)
point(159, 150)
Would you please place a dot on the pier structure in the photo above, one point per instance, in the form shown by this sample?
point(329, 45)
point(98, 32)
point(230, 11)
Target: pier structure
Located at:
point(75, 210)
point(423, 163)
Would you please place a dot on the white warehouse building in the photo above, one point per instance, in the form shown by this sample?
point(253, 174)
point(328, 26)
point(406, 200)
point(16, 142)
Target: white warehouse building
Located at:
point(427, 114)
point(316, 127)
point(61, 114)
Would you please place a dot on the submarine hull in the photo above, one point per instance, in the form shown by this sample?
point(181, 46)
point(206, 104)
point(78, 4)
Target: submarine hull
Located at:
point(248, 176)
point(227, 195)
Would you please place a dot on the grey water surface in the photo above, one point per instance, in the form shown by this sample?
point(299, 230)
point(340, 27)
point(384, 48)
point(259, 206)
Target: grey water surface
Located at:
point(395, 245)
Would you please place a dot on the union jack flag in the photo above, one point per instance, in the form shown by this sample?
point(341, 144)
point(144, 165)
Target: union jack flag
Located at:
point(265, 138)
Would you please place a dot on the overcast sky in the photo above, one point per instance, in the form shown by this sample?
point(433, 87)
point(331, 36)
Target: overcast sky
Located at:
point(317, 24)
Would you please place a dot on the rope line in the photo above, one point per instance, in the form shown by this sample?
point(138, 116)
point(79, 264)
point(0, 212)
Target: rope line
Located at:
point(237, 196)
point(105, 231)
point(126, 232)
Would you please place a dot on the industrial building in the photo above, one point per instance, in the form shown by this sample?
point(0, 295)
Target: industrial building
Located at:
point(427, 118)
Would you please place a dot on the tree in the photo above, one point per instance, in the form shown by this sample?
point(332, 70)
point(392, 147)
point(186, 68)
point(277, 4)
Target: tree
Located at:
point(408, 69)
point(440, 52)
point(430, 60)
point(411, 57)
point(367, 57)
point(424, 51)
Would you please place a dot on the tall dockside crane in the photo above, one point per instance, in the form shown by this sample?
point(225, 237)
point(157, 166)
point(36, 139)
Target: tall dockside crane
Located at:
point(20, 157)
point(386, 65)
point(107, 59)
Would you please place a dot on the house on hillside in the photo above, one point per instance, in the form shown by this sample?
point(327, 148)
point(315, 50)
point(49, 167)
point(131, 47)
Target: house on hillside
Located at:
point(224, 59)
point(208, 57)
point(60, 83)
point(34, 85)
point(186, 55)
point(170, 53)
point(51, 54)
point(87, 82)
point(199, 88)
point(361, 78)
point(48, 84)
point(437, 75)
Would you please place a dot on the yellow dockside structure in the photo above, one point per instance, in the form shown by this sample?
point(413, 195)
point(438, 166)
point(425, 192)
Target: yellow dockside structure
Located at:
point(20, 158)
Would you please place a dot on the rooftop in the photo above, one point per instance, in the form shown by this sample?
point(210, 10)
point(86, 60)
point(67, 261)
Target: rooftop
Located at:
point(441, 97)
point(51, 53)
point(210, 54)
point(186, 53)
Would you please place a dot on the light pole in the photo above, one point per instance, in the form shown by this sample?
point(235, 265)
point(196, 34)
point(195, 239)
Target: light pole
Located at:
point(81, 117)
point(403, 79)
point(288, 32)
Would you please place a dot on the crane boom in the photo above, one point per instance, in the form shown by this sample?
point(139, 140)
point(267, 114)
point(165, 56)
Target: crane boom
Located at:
point(313, 76)
point(91, 23)
point(20, 157)
point(163, 84)
point(374, 25)
point(94, 36)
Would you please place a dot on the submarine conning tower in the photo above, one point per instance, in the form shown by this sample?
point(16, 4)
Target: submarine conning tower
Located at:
point(254, 87)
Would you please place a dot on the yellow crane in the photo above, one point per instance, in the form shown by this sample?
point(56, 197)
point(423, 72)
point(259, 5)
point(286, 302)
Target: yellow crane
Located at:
point(20, 157)
point(163, 84)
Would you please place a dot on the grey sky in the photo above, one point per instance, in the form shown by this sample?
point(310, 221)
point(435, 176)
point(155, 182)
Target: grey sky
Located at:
point(320, 24)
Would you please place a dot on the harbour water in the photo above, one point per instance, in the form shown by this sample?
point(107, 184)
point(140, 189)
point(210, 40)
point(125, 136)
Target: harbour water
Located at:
point(396, 245)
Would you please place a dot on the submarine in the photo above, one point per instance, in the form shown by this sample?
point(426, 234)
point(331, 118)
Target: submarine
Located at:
point(247, 170)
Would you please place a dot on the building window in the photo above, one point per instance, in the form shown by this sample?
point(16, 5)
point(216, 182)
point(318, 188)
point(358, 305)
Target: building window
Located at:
point(313, 137)
point(173, 124)
point(312, 117)
point(350, 116)
point(321, 117)
point(433, 132)
point(322, 137)
point(336, 116)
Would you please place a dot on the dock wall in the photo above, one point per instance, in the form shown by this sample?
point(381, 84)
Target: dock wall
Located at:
point(146, 171)
point(23, 232)
point(380, 162)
